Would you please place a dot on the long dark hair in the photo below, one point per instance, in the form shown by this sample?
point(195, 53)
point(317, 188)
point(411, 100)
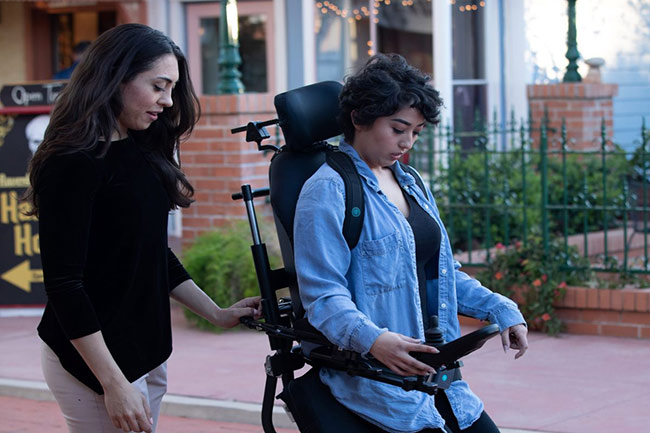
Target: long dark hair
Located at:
point(86, 111)
point(383, 86)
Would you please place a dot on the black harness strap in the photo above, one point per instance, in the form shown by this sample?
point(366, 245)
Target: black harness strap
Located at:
point(354, 200)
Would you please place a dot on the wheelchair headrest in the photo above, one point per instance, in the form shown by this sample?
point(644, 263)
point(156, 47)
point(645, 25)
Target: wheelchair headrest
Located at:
point(309, 114)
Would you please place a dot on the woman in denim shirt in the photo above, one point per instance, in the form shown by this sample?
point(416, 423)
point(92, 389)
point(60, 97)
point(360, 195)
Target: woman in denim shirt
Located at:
point(375, 299)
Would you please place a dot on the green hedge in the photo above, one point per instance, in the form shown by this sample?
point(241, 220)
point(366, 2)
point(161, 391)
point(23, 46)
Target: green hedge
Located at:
point(221, 263)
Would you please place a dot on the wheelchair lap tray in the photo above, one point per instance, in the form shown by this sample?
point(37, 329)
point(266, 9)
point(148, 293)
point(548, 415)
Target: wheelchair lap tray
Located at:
point(320, 352)
point(454, 350)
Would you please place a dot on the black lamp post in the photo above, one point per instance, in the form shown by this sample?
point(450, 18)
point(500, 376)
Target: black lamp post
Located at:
point(229, 58)
point(572, 75)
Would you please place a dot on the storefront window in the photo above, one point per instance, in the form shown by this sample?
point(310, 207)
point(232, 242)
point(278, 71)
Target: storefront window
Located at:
point(469, 78)
point(342, 35)
point(404, 27)
point(348, 32)
point(255, 32)
point(470, 102)
point(468, 33)
point(252, 36)
point(69, 29)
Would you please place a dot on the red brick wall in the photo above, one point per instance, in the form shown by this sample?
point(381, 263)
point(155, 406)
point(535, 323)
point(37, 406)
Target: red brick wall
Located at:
point(217, 162)
point(593, 311)
point(620, 313)
point(582, 105)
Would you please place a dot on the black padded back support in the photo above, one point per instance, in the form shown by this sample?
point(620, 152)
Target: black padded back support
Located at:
point(287, 174)
point(307, 116)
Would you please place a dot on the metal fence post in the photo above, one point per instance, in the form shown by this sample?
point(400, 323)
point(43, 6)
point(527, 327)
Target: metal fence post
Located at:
point(644, 183)
point(451, 153)
point(487, 201)
point(565, 198)
point(585, 217)
point(522, 137)
point(603, 153)
point(543, 154)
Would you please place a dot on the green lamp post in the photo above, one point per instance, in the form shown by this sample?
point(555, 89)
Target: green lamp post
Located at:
point(572, 75)
point(229, 58)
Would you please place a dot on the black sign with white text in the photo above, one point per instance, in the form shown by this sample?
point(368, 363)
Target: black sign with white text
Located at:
point(29, 95)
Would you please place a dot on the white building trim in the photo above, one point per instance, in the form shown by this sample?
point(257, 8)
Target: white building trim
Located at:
point(492, 57)
point(308, 42)
point(443, 56)
point(280, 40)
point(515, 62)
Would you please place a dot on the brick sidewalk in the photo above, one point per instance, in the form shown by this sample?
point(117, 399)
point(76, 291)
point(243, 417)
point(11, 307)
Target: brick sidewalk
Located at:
point(569, 384)
point(21, 415)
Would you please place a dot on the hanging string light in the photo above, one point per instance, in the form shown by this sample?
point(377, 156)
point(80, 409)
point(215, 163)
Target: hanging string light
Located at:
point(327, 6)
point(468, 6)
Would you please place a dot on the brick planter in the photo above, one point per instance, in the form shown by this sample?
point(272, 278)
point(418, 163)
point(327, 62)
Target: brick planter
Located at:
point(621, 313)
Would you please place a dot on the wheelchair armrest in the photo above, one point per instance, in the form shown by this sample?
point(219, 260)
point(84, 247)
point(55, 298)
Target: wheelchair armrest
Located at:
point(454, 350)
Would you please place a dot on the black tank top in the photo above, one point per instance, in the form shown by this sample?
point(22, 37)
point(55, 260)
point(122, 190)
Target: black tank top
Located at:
point(427, 249)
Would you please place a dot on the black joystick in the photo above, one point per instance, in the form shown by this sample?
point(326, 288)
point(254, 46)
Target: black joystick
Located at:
point(433, 334)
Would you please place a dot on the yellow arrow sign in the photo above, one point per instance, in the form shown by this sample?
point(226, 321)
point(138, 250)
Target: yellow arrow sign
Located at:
point(22, 276)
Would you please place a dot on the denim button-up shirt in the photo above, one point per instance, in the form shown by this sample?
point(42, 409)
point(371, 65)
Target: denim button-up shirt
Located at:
point(353, 296)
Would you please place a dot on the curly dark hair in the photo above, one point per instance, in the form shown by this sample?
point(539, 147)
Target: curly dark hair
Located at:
point(385, 85)
point(87, 109)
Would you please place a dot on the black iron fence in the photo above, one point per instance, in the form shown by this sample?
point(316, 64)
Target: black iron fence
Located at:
point(496, 186)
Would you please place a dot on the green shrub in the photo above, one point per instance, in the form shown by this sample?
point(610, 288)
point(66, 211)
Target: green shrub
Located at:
point(467, 193)
point(221, 263)
point(584, 175)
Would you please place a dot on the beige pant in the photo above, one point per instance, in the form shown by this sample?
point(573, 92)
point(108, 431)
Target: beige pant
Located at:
point(83, 409)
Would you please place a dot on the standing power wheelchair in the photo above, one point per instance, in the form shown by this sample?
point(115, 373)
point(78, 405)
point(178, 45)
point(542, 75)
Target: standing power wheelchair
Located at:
point(308, 117)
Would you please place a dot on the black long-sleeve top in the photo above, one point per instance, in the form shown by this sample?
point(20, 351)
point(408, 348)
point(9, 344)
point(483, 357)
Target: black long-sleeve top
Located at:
point(106, 263)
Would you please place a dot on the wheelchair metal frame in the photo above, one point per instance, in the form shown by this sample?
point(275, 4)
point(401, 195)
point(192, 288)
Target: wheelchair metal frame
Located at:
point(278, 321)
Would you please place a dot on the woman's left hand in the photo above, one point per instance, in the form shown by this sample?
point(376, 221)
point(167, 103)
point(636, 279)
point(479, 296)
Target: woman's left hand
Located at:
point(229, 317)
point(515, 338)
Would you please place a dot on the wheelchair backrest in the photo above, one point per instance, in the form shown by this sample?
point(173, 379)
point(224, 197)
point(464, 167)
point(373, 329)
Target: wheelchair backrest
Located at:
point(307, 116)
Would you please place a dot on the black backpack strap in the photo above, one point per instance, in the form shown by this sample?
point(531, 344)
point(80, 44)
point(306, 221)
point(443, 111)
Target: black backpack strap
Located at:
point(418, 180)
point(354, 200)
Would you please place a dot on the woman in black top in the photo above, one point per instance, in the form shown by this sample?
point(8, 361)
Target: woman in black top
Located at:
point(103, 182)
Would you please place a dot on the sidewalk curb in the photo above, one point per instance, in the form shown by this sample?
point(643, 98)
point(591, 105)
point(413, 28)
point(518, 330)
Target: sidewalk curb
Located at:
point(182, 406)
point(31, 389)
point(221, 410)
point(172, 404)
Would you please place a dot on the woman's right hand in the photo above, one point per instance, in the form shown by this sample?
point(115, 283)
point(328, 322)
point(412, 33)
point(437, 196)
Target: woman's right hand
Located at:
point(128, 408)
point(392, 350)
